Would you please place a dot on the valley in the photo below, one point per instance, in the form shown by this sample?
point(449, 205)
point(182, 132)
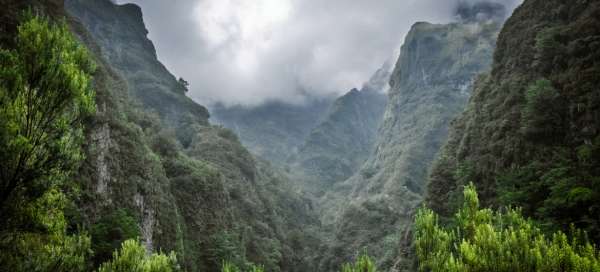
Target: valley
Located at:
point(480, 138)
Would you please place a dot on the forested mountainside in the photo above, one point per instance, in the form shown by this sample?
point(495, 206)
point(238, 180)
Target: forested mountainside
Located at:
point(274, 130)
point(337, 147)
point(106, 165)
point(430, 85)
point(155, 168)
point(215, 199)
point(530, 135)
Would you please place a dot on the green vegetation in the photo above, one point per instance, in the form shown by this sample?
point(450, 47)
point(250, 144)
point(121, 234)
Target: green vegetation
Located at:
point(362, 264)
point(228, 267)
point(110, 231)
point(543, 113)
point(484, 240)
point(530, 135)
point(44, 96)
point(133, 258)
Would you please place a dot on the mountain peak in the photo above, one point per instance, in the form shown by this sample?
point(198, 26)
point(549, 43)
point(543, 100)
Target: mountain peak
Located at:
point(469, 12)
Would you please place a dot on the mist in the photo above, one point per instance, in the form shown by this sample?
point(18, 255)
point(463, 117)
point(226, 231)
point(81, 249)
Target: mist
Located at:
point(249, 52)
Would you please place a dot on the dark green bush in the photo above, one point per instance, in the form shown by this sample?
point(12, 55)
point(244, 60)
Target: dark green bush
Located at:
point(110, 231)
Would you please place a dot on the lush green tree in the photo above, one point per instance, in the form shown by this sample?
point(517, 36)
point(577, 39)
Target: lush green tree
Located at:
point(362, 264)
point(133, 258)
point(50, 248)
point(44, 95)
point(484, 240)
point(226, 246)
point(110, 231)
point(544, 113)
point(558, 190)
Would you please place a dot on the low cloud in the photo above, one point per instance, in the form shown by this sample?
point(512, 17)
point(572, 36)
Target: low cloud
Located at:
point(248, 52)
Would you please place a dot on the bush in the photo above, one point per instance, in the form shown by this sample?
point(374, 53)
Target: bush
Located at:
point(132, 258)
point(362, 264)
point(484, 240)
point(44, 95)
point(110, 231)
point(49, 247)
point(543, 114)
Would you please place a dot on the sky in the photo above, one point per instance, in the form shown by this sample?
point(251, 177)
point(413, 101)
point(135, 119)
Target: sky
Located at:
point(252, 51)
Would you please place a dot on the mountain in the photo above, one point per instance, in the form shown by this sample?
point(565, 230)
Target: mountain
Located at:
point(337, 147)
point(273, 130)
point(153, 157)
point(430, 85)
point(530, 135)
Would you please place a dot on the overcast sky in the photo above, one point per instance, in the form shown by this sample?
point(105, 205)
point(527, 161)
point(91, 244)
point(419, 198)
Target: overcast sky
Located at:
point(251, 51)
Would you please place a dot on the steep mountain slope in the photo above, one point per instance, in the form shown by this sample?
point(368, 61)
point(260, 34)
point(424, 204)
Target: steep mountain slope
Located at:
point(530, 136)
point(429, 87)
point(274, 130)
point(339, 145)
point(152, 156)
point(121, 33)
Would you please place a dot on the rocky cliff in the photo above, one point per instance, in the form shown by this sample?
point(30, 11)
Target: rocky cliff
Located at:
point(153, 157)
point(430, 85)
point(530, 134)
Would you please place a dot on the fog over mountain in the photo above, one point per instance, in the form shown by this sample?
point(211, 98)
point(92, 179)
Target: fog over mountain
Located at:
point(249, 52)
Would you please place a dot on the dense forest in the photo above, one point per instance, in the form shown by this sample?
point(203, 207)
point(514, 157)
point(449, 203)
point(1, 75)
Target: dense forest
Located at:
point(478, 151)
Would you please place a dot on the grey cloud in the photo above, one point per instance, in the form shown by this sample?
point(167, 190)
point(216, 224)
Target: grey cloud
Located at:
point(233, 52)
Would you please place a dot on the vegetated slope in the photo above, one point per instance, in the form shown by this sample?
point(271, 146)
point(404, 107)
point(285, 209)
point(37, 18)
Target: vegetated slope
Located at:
point(429, 87)
point(273, 130)
point(154, 162)
point(337, 147)
point(530, 136)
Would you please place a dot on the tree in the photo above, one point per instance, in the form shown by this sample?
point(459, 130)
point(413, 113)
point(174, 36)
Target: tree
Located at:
point(45, 94)
point(484, 240)
point(184, 84)
point(544, 113)
point(132, 258)
point(110, 231)
point(362, 264)
point(50, 248)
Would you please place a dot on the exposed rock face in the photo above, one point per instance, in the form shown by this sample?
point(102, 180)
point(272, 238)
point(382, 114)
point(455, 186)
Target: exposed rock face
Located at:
point(337, 147)
point(120, 32)
point(430, 85)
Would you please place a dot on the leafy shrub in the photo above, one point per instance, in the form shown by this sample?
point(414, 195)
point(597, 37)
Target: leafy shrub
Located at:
point(44, 95)
point(110, 231)
point(133, 258)
point(49, 247)
point(484, 240)
point(362, 264)
point(226, 246)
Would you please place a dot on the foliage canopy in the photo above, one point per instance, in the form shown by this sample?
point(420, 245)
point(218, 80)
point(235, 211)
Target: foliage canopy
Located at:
point(485, 240)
